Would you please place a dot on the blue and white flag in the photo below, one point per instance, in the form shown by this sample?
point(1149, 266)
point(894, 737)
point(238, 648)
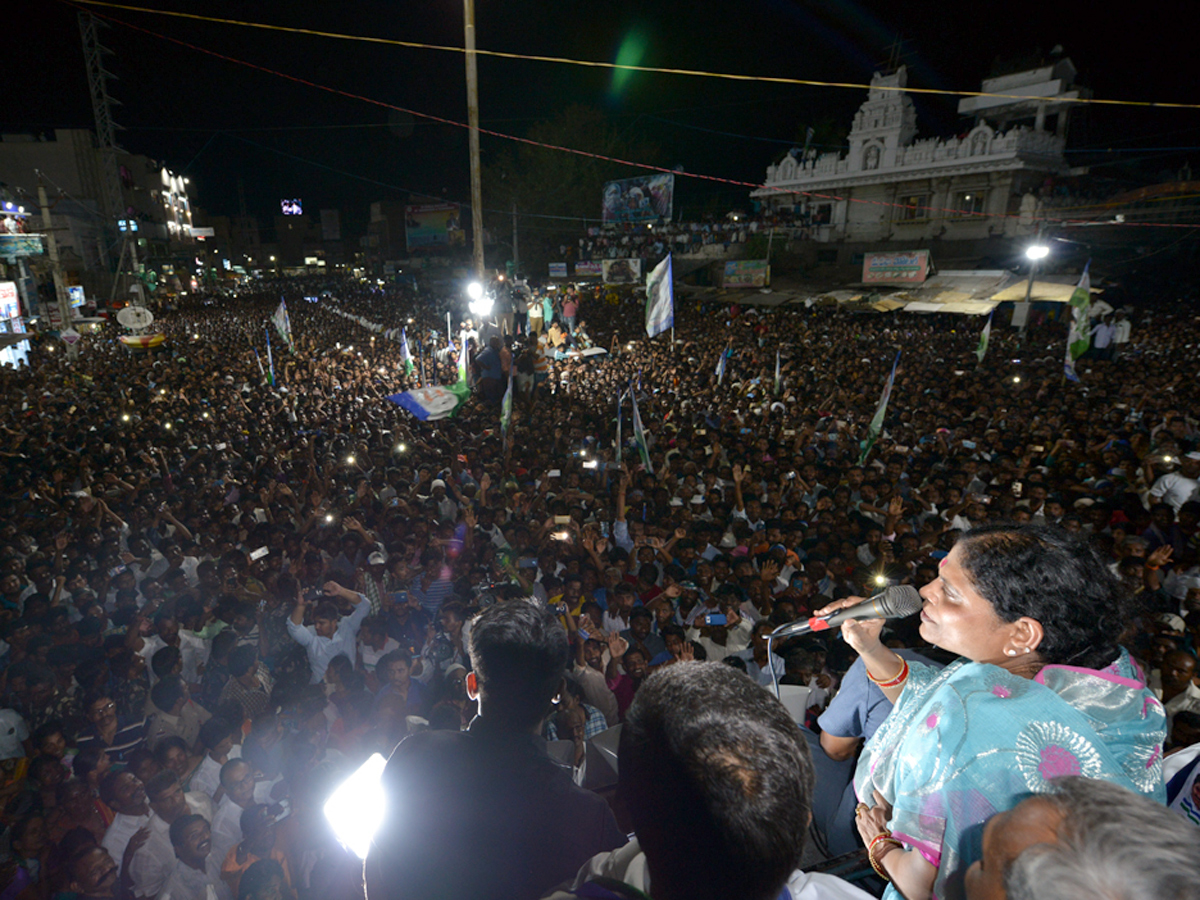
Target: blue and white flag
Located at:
point(778, 374)
point(284, 325)
point(660, 298)
point(721, 365)
point(432, 403)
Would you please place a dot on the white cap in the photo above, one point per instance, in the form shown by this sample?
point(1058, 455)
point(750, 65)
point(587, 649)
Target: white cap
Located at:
point(377, 559)
point(437, 483)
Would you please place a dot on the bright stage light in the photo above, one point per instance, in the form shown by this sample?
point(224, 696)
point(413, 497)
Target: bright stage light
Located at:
point(356, 809)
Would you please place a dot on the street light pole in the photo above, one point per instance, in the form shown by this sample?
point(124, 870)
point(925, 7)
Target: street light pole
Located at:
point(62, 299)
point(1035, 252)
point(473, 133)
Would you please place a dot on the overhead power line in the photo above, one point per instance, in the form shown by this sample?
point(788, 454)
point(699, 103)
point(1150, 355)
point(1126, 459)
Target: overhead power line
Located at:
point(598, 64)
point(961, 213)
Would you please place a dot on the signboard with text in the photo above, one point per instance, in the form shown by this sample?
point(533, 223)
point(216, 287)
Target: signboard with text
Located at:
point(433, 225)
point(903, 267)
point(10, 303)
point(590, 268)
point(746, 273)
point(558, 270)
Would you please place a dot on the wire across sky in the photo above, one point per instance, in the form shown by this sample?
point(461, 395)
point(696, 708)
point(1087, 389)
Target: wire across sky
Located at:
point(960, 213)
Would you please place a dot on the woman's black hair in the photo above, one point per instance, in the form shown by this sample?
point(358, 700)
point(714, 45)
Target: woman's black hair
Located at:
point(1061, 581)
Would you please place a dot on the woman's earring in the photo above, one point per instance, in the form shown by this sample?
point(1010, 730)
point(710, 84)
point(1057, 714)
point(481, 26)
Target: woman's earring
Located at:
point(1011, 652)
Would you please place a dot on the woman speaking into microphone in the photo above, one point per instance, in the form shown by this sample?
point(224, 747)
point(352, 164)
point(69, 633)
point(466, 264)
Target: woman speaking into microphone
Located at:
point(1042, 688)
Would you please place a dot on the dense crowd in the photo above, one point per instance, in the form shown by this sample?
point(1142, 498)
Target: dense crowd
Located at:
point(227, 579)
point(652, 241)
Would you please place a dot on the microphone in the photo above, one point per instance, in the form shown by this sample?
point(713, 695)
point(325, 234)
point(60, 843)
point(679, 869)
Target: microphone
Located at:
point(895, 602)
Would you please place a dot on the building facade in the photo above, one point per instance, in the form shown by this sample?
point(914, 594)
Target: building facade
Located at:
point(890, 186)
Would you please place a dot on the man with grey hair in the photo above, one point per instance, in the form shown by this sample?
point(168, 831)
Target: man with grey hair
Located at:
point(1087, 839)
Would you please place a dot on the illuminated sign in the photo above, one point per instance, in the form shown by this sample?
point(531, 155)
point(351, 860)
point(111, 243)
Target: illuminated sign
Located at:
point(10, 303)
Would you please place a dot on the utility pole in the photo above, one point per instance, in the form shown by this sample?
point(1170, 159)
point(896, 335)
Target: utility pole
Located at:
point(60, 287)
point(473, 132)
point(516, 251)
point(112, 205)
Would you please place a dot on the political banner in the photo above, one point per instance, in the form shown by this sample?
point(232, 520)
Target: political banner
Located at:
point(746, 273)
point(902, 267)
point(429, 404)
point(592, 268)
point(622, 271)
point(1079, 335)
point(646, 198)
point(431, 225)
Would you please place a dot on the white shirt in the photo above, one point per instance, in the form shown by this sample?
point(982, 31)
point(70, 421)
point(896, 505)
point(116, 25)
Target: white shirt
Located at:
point(116, 839)
point(628, 865)
point(762, 676)
point(226, 829)
point(151, 866)
point(193, 649)
point(1174, 489)
point(186, 883)
point(322, 649)
point(207, 777)
point(371, 656)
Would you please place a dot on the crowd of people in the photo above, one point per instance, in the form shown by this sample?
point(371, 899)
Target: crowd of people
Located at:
point(654, 240)
point(228, 579)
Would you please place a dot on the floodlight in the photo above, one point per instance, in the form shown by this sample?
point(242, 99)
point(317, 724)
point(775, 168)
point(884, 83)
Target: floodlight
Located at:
point(356, 809)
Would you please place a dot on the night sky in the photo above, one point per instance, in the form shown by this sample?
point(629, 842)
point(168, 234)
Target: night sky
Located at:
point(219, 122)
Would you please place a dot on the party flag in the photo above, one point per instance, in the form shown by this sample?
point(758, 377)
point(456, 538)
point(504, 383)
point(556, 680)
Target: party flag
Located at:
point(876, 426)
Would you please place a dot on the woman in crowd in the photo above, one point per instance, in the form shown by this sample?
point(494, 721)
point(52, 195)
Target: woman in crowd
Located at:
point(1042, 689)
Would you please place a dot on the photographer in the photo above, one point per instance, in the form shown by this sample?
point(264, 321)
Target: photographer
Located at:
point(330, 635)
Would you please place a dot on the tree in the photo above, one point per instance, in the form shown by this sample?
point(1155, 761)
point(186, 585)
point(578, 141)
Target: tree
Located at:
point(558, 194)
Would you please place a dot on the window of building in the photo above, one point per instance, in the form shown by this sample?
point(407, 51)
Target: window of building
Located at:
point(968, 203)
point(913, 208)
point(822, 213)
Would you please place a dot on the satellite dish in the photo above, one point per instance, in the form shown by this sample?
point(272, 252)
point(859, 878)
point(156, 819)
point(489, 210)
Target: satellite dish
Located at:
point(135, 318)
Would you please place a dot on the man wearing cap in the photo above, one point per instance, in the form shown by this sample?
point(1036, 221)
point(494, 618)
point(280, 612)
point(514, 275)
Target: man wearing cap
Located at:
point(369, 580)
point(1177, 488)
point(445, 509)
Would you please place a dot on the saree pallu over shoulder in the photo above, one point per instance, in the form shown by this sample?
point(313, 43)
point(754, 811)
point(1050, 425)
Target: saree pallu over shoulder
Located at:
point(971, 740)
